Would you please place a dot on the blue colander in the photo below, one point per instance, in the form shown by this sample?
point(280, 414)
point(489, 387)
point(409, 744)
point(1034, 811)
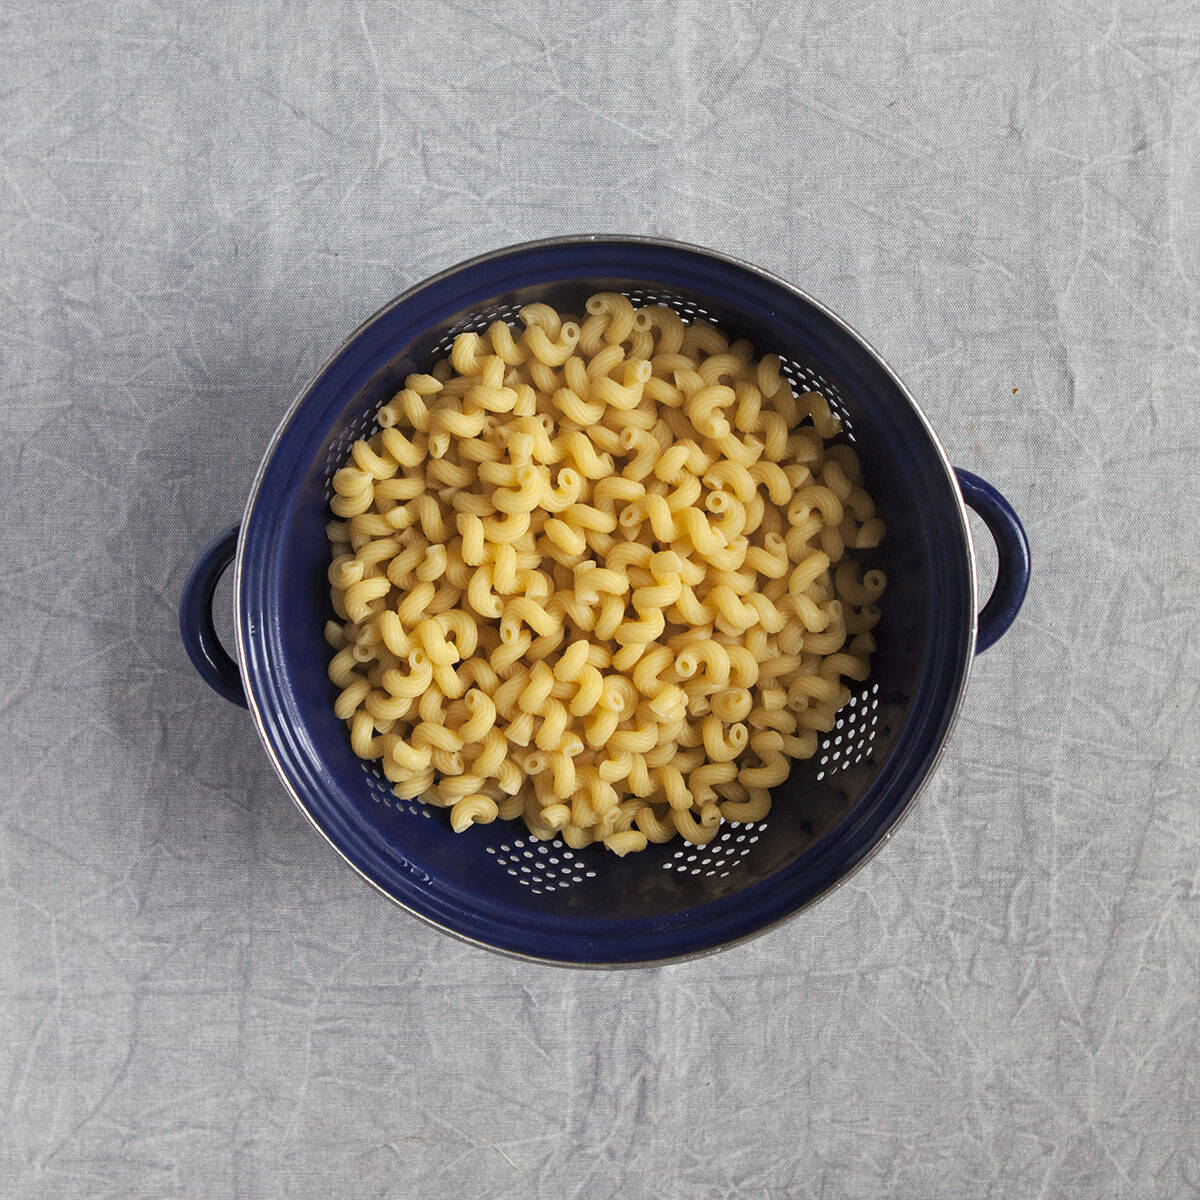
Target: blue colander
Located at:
point(495, 885)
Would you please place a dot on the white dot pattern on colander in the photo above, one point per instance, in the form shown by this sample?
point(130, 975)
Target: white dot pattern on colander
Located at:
point(852, 740)
point(381, 793)
point(540, 866)
point(686, 307)
point(475, 323)
point(721, 855)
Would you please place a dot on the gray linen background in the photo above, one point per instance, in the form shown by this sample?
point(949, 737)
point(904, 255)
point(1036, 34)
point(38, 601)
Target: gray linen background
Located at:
point(198, 202)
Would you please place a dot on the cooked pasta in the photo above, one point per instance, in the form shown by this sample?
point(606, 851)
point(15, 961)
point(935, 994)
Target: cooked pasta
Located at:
point(593, 574)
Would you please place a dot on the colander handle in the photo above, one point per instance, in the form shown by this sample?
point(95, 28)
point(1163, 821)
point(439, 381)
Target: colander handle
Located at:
point(200, 640)
point(1012, 549)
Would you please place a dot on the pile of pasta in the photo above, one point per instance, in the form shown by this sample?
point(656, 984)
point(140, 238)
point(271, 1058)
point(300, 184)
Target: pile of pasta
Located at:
point(592, 573)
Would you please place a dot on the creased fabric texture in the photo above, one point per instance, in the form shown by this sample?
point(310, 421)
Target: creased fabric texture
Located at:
point(197, 202)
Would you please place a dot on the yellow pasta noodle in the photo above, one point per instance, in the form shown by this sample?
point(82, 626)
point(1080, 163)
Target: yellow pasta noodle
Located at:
point(599, 575)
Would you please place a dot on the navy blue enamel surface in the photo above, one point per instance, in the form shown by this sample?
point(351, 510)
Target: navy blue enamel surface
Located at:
point(1013, 565)
point(196, 625)
point(631, 910)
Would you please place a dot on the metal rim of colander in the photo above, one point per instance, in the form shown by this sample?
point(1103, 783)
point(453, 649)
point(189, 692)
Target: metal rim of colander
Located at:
point(629, 239)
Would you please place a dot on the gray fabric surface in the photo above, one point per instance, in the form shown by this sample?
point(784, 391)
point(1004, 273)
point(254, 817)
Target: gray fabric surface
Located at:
point(198, 202)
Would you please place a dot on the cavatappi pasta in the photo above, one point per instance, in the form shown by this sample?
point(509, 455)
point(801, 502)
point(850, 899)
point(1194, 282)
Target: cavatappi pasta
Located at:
point(593, 574)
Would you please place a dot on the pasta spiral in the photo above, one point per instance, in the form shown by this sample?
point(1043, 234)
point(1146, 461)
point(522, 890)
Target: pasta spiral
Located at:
point(593, 573)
